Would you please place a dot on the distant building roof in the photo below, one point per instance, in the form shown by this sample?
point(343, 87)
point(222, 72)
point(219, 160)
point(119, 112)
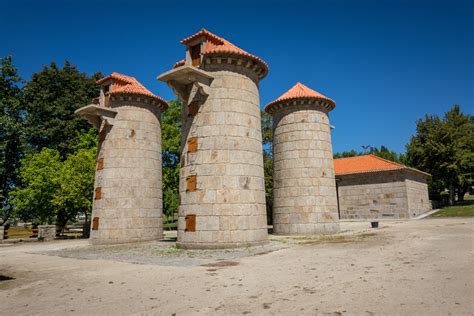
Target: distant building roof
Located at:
point(300, 91)
point(368, 164)
point(123, 84)
point(216, 45)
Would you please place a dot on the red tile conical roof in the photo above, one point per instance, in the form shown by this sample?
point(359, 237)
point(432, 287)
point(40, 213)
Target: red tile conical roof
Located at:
point(122, 84)
point(216, 45)
point(300, 91)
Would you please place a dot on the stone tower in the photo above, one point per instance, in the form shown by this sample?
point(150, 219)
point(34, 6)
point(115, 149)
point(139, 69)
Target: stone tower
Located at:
point(127, 204)
point(222, 191)
point(304, 187)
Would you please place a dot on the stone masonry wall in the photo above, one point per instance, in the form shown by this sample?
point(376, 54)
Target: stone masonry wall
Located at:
point(229, 198)
point(373, 195)
point(417, 190)
point(128, 196)
point(304, 189)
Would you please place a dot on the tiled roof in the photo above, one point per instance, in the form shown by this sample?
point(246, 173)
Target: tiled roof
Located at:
point(367, 164)
point(216, 45)
point(300, 91)
point(122, 84)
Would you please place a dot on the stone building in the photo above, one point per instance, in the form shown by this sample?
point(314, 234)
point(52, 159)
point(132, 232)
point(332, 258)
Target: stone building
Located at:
point(127, 205)
point(304, 190)
point(370, 187)
point(222, 191)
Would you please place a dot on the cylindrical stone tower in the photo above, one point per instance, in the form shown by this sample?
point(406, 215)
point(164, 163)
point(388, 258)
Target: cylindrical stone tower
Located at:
point(127, 204)
point(222, 191)
point(304, 187)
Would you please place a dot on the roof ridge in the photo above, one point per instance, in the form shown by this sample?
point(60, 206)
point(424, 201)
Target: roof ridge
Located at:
point(386, 160)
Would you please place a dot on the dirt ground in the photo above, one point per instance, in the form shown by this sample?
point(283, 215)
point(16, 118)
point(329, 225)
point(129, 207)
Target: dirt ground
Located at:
point(422, 267)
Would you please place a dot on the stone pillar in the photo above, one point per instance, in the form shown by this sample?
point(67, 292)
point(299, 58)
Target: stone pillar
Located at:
point(222, 190)
point(128, 197)
point(229, 199)
point(2, 232)
point(127, 205)
point(47, 232)
point(304, 187)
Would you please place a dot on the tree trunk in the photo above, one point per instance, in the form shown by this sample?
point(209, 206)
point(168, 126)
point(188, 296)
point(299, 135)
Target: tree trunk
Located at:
point(451, 194)
point(462, 190)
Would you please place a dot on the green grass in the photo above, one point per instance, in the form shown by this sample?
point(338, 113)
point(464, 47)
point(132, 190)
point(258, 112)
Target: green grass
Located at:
point(460, 209)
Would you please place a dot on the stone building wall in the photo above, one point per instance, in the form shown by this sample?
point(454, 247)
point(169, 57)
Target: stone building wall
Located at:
point(127, 203)
point(304, 190)
point(226, 206)
point(395, 194)
point(417, 194)
point(373, 195)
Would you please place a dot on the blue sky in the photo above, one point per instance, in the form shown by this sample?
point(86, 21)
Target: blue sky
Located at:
point(385, 63)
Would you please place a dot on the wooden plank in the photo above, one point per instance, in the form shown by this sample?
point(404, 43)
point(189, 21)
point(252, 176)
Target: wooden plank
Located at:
point(192, 144)
point(100, 163)
point(190, 223)
point(98, 193)
point(95, 223)
point(196, 55)
point(191, 183)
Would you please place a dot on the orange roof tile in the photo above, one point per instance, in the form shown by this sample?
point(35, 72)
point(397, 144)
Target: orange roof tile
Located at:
point(216, 45)
point(367, 164)
point(300, 91)
point(122, 84)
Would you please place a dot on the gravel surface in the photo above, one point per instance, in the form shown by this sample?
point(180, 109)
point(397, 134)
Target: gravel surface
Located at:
point(422, 267)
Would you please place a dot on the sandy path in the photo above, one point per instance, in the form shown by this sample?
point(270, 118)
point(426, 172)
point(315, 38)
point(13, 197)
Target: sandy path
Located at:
point(423, 267)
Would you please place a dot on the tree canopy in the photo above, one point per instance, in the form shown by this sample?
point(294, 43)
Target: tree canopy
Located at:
point(50, 99)
point(171, 141)
point(382, 152)
point(444, 147)
point(36, 116)
point(11, 136)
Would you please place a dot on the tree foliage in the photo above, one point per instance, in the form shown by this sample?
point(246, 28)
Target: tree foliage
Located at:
point(76, 180)
point(50, 99)
point(44, 146)
point(444, 147)
point(171, 140)
point(382, 152)
point(267, 139)
point(56, 191)
point(39, 174)
point(11, 133)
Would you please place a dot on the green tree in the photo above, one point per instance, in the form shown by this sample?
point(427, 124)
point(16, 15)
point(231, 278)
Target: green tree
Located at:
point(267, 140)
point(39, 173)
point(11, 133)
point(346, 154)
point(171, 140)
point(51, 97)
point(76, 181)
point(383, 152)
point(444, 147)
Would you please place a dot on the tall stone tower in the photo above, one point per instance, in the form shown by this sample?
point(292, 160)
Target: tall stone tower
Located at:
point(304, 187)
point(222, 191)
point(127, 204)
